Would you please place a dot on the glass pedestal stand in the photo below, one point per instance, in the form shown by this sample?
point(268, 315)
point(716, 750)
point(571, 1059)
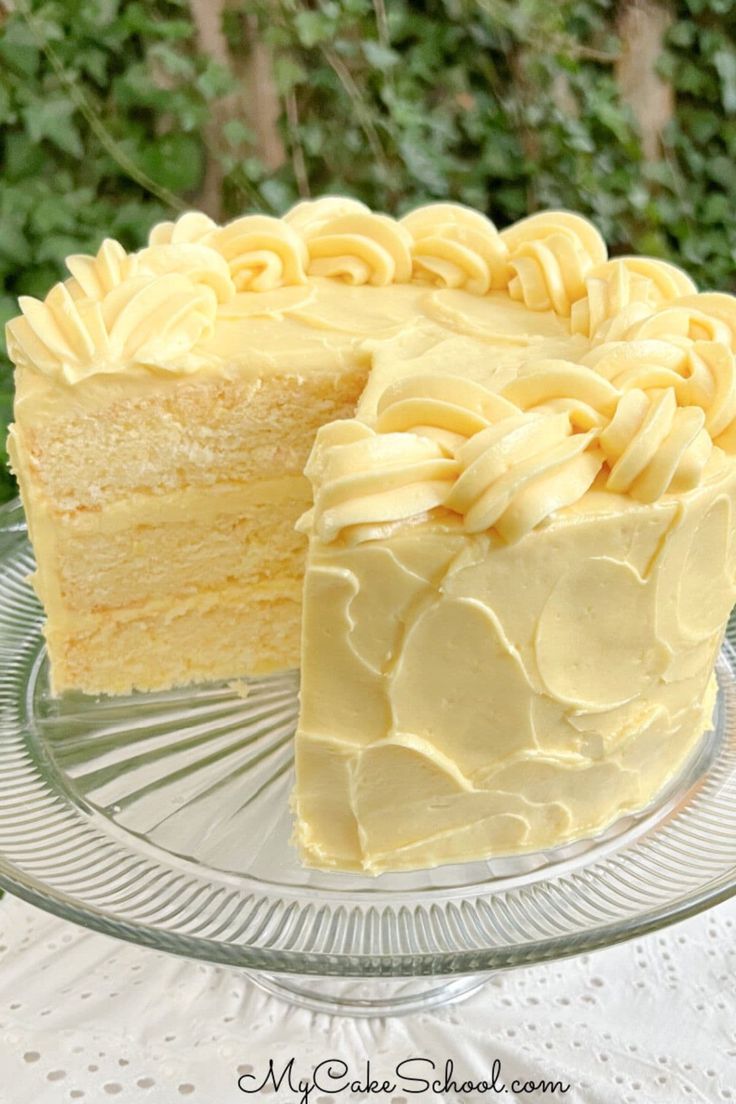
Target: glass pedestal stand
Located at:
point(163, 819)
point(369, 997)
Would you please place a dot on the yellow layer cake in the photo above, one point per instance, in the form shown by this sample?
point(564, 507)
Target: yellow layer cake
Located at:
point(518, 538)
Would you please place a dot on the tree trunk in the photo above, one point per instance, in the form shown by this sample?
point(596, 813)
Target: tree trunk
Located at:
point(642, 26)
point(255, 101)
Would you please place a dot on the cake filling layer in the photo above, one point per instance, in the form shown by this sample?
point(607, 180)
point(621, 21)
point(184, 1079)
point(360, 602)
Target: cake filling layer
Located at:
point(201, 637)
point(150, 548)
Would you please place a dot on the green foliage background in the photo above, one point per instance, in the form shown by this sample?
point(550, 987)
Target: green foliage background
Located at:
point(506, 105)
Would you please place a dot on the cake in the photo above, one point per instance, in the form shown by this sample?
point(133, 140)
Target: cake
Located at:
point(479, 486)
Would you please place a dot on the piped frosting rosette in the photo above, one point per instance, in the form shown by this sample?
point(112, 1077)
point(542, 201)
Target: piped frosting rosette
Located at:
point(146, 319)
point(708, 316)
point(557, 386)
point(365, 481)
point(686, 347)
point(455, 247)
point(93, 277)
point(445, 442)
point(262, 253)
point(624, 291)
point(447, 409)
point(118, 309)
point(346, 241)
point(515, 467)
point(648, 329)
point(516, 474)
point(191, 227)
point(654, 446)
point(550, 255)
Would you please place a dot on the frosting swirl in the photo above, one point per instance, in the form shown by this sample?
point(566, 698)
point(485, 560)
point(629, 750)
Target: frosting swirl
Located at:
point(649, 330)
point(455, 247)
point(705, 317)
point(550, 255)
point(93, 277)
point(147, 318)
point(311, 215)
point(623, 291)
point(654, 446)
point(62, 336)
point(515, 474)
point(262, 253)
point(365, 479)
point(646, 363)
point(701, 373)
point(199, 263)
point(560, 386)
point(713, 318)
point(152, 318)
point(509, 477)
point(193, 226)
point(710, 383)
point(360, 248)
point(448, 409)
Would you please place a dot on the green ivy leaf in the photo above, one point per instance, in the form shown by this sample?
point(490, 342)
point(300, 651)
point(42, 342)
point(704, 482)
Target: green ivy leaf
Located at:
point(101, 13)
point(93, 62)
point(379, 56)
point(174, 161)
point(14, 245)
point(313, 27)
point(682, 34)
point(137, 20)
point(237, 133)
point(138, 87)
point(288, 73)
point(724, 60)
point(7, 115)
point(52, 214)
point(52, 120)
point(215, 80)
point(37, 279)
point(717, 209)
point(18, 48)
point(173, 60)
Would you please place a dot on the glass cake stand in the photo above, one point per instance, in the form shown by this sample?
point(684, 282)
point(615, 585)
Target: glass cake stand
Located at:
point(163, 819)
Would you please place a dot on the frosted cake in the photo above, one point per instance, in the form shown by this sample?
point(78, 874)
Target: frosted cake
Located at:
point(513, 460)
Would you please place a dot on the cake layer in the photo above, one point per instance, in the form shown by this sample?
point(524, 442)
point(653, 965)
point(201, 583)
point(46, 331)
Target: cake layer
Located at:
point(464, 697)
point(147, 548)
point(216, 634)
point(190, 433)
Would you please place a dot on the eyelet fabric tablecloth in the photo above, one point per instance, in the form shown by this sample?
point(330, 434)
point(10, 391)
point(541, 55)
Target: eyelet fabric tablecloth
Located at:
point(86, 1018)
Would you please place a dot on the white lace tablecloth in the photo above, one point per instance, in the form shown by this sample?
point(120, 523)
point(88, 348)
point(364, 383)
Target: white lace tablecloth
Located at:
point(83, 1017)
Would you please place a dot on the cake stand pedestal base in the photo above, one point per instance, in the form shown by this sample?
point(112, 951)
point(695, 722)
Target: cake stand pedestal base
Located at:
point(368, 996)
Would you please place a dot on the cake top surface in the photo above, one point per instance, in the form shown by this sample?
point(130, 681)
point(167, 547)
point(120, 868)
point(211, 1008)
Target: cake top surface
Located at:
point(343, 271)
point(513, 372)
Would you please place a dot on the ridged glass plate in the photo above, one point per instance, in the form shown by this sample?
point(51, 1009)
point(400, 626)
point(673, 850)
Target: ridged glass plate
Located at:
point(163, 819)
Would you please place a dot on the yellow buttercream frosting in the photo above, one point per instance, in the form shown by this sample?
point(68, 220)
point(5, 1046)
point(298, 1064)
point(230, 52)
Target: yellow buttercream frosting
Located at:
point(521, 541)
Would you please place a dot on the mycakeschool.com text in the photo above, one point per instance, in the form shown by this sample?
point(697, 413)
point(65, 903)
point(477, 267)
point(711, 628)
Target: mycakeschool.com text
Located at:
point(413, 1076)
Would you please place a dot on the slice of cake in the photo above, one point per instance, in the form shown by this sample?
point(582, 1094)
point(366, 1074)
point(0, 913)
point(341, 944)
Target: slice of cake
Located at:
point(520, 553)
point(165, 405)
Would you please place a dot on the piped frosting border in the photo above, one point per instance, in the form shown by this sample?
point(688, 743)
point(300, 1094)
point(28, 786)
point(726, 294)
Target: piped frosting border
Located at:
point(118, 309)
